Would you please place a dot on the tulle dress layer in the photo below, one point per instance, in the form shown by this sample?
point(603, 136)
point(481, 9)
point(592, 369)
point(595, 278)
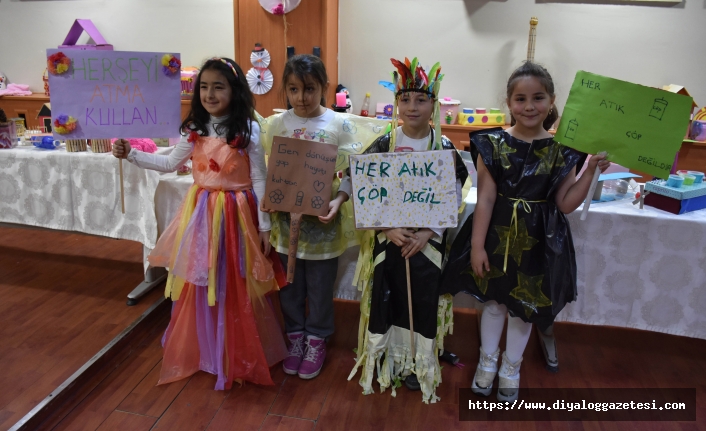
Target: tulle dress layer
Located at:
point(223, 318)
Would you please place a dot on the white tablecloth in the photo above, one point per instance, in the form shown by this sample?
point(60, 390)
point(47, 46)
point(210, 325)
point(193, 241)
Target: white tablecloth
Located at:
point(642, 269)
point(77, 192)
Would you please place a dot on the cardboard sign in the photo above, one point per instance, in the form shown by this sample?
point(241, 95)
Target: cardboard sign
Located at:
point(117, 94)
point(641, 128)
point(299, 176)
point(404, 190)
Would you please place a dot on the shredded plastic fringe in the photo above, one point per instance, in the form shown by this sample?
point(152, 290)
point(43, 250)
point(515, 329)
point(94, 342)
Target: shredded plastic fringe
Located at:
point(390, 356)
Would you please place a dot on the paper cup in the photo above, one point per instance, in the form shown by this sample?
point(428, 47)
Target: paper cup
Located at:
point(698, 176)
point(675, 181)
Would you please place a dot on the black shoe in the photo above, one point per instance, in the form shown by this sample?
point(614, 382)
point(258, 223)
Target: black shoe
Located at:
point(412, 383)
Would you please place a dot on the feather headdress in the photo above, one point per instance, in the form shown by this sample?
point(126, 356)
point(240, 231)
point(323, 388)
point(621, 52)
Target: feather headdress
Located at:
point(410, 76)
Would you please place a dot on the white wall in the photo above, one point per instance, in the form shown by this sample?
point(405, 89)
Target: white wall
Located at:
point(480, 42)
point(198, 29)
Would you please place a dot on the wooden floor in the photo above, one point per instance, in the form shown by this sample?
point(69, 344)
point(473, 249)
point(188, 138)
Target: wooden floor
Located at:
point(590, 357)
point(48, 321)
point(62, 298)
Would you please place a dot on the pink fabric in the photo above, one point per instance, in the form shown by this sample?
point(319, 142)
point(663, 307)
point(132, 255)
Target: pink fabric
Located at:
point(142, 144)
point(16, 90)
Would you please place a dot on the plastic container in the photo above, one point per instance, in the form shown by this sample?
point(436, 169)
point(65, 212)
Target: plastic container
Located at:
point(617, 188)
point(341, 104)
point(365, 109)
point(675, 181)
point(448, 110)
point(698, 176)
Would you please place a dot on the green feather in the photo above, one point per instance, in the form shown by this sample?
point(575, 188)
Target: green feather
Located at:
point(413, 65)
point(433, 71)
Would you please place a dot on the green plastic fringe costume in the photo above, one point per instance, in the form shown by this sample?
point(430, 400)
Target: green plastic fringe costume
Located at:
point(318, 240)
point(394, 344)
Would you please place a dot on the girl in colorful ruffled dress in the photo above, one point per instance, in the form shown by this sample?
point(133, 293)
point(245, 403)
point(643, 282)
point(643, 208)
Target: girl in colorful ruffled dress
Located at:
point(217, 246)
point(322, 239)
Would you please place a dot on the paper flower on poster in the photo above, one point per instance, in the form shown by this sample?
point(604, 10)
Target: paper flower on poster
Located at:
point(170, 64)
point(279, 7)
point(387, 110)
point(58, 63)
point(65, 124)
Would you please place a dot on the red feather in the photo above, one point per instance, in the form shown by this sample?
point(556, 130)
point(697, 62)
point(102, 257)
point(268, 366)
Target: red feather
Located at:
point(404, 72)
point(424, 76)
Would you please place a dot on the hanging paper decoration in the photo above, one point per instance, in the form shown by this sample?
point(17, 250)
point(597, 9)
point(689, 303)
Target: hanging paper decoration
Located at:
point(279, 7)
point(260, 58)
point(259, 77)
point(260, 80)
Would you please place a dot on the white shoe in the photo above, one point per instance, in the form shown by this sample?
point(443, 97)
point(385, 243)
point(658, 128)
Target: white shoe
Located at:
point(485, 373)
point(509, 380)
point(548, 343)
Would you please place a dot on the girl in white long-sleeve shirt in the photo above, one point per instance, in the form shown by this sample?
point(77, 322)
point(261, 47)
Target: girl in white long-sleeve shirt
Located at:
point(217, 247)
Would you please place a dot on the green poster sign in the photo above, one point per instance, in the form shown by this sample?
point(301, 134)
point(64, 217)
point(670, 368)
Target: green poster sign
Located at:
point(640, 127)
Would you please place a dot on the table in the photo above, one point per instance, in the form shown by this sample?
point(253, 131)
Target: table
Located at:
point(77, 192)
point(643, 269)
point(80, 192)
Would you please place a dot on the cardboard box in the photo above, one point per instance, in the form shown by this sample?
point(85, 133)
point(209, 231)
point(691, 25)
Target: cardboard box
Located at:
point(81, 25)
point(680, 193)
point(675, 206)
point(675, 200)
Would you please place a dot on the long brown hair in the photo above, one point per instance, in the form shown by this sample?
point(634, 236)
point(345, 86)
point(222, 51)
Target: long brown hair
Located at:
point(241, 110)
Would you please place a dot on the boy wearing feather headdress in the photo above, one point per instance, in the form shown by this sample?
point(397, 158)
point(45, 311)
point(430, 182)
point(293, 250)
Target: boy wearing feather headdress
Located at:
point(384, 333)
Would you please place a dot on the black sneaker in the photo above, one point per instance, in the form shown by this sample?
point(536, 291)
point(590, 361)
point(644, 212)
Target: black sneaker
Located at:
point(412, 383)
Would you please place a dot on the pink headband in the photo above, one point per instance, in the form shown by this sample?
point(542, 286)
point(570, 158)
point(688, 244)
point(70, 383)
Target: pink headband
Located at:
point(226, 63)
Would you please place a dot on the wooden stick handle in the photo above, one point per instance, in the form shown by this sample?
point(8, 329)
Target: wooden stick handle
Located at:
point(409, 303)
point(122, 187)
point(591, 190)
point(294, 224)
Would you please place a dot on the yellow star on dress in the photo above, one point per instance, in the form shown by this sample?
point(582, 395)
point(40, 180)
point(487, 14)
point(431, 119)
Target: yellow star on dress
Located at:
point(520, 243)
point(500, 150)
point(547, 157)
point(529, 293)
point(482, 283)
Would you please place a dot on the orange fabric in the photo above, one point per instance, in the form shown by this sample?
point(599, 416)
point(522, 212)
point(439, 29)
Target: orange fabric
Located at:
point(242, 336)
point(181, 348)
point(253, 335)
point(220, 167)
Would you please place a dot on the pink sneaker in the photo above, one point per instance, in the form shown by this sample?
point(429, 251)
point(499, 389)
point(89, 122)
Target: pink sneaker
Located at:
point(296, 352)
point(313, 358)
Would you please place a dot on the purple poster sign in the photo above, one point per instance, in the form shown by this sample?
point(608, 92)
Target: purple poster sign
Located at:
point(116, 94)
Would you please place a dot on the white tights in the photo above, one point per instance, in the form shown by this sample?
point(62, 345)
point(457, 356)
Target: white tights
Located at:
point(491, 328)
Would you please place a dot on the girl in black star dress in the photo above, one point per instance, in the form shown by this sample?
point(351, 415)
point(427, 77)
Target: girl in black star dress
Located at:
point(521, 251)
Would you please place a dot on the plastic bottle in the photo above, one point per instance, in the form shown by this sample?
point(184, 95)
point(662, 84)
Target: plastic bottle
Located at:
point(366, 106)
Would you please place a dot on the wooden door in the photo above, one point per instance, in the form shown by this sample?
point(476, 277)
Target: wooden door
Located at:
point(313, 23)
